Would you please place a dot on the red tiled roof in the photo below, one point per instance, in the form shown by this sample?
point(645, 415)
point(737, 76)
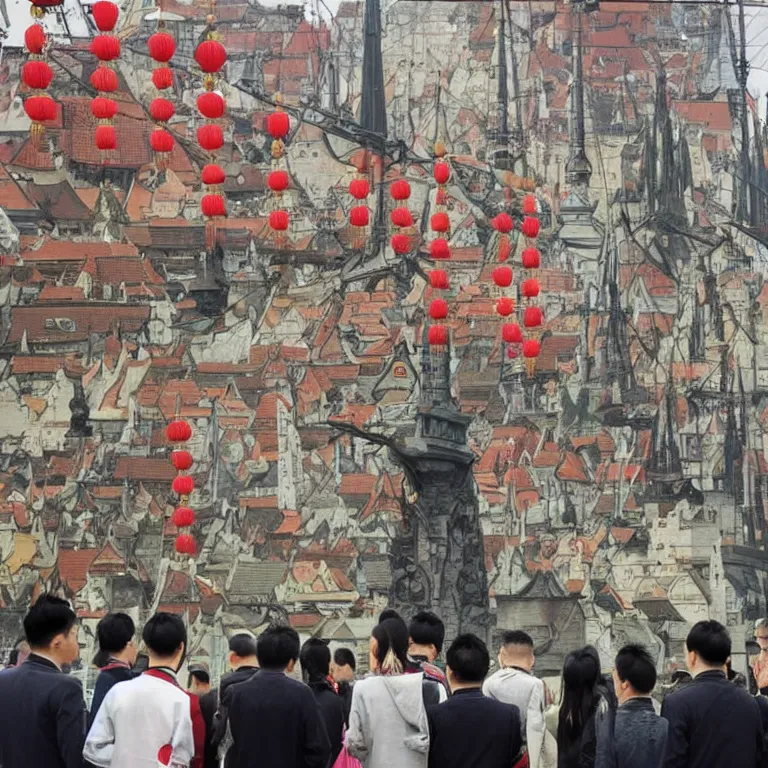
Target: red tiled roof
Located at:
point(60, 201)
point(73, 566)
point(357, 485)
point(67, 250)
point(61, 293)
point(141, 468)
point(715, 115)
point(261, 502)
point(12, 195)
point(40, 322)
point(50, 364)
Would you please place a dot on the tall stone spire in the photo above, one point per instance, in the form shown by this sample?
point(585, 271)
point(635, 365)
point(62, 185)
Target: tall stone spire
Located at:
point(578, 169)
point(373, 109)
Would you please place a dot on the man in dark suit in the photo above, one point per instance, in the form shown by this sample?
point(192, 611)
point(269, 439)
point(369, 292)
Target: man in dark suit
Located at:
point(42, 709)
point(470, 730)
point(712, 724)
point(273, 719)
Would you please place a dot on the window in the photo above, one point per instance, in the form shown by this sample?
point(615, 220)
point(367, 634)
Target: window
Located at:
point(60, 324)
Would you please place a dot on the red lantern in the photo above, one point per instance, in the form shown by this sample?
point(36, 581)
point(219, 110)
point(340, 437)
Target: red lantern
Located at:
point(440, 222)
point(529, 205)
point(530, 288)
point(210, 56)
point(106, 138)
point(442, 172)
point(178, 431)
point(181, 460)
point(183, 485)
point(511, 333)
point(213, 175)
point(34, 39)
point(400, 190)
point(36, 75)
point(401, 217)
point(441, 198)
point(161, 140)
point(279, 220)
point(40, 109)
point(104, 79)
point(278, 125)
point(103, 108)
point(211, 105)
point(401, 244)
point(533, 317)
point(359, 189)
point(213, 205)
point(210, 137)
point(502, 276)
point(161, 47)
point(183, 517)
point(505, 306)
point(504, 248)
point(162, 110)
point(531, 348)
point(511, 353)
point(105, 47)
point(162, 78)
point(359, 216)
point(278, 181)
point(439, 249)
point(503, 223)
point(438, 309)
point(438, 278)
point(185, 544)
point(530, 227)
point(105, 15)
point(437, 335)
point(531, 258)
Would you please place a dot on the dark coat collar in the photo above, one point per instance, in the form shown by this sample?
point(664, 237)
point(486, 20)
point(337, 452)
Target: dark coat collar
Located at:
point(638, 703)
point(41, 661)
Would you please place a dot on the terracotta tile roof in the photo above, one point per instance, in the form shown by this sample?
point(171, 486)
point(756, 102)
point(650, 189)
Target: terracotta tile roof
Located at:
point(260, 502)
point(61, 293)
point(357, 485)
point(714, 115)
point(126, 269)
point(33, 157)
point(73, 566)
point(59, 201)
point(141, 468)
point(22, 364)
point(13, 196)
point(67, 250)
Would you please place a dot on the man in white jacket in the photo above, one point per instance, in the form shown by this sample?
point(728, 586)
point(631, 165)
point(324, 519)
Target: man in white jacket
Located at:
point(515, 684)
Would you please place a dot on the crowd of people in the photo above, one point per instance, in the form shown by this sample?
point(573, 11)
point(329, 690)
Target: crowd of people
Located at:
point(406, 712)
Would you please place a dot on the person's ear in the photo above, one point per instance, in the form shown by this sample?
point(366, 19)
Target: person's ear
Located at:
point(291, 666)
point(231, 658)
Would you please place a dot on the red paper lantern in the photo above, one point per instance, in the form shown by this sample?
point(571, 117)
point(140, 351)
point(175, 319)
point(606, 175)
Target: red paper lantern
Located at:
point(401, 217)
point(161, 47)
point(34, 39)
point(502, 276)
point(438, 309)
point(278, 181)
point(359, 189)
point(437, 335)
point(162, 110)
point(439, 249)
point(103, 108)
point(210, 137)
point(162, 78)
point(278, 125)
point(533, 317)
point(504, 248)
point(511, 353)
point(529, 205)
point(104, 79)
point(105, 47)
point(105, 15)
point(211, 105)
point(161, 140)
point(530, 227)
point(438, 278)
point(36, 75)
point(505, 306)
point(531, 348)
point(359, 216)
point(185, 544)
point(183, 517)
point(181, 460)
point(279, 220)
point(511, 333)
point(183, 485)
point(530, 288)
point(400, 189)
point(213, 175)
point(440, 222)
point(178, 431)
point(106, 137)
point(401, 244)
point(213, 205)
point(503, 223)
point(211, 56)
point(531, 258)
point(40, 109)
point(442, 172)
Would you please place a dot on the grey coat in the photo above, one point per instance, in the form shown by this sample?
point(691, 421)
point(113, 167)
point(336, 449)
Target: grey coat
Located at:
point(636, 737)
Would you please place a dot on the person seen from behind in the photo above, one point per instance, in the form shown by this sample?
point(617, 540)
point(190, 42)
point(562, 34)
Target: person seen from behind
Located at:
point(712, 724)
point(426, 634)
point(471, 730)
point(42, 709)
point(199, 679)
point(343, 672)
point(148, 720)
point(19, 653)
point(759, 662)
point(114, 634)
point(273, 719)
point(514, 683)
point(636, 737)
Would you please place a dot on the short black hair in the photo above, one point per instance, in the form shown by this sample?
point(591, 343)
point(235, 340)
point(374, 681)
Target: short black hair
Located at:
point(277, 647)
point(315, 659)
point(636, 666)
point(343, 657)
point(710, 639)
point(242, 645)
point(427, 628)
point(49, 617)
point(164, 633)
point(114, 632)
point(517, 637)
point(200, 675)
point(468, 659)
point(390, 613)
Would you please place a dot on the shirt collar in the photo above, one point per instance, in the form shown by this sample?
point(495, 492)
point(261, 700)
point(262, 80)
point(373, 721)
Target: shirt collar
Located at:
point(459, 691)
point(38, 657)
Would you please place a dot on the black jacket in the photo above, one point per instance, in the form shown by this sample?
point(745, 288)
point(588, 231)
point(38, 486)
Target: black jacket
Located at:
point(331, 708)
point(634, 738)
point(345, 691)
point(712, 724)
point(112, 673)
point(275, 723)
point(470, 730)
point(42, 717)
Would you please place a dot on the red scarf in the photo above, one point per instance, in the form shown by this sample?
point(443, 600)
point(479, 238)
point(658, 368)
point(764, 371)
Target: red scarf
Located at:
point(333, 684)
